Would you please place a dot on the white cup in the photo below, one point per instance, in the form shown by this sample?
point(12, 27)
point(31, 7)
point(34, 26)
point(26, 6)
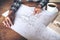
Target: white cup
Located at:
point(52, 7)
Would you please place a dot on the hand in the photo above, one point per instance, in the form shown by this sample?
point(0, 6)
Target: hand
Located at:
point(37, 10)
point(9, 20)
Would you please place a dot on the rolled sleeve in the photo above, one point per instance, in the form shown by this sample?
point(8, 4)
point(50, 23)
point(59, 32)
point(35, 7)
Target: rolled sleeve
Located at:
point(16, 4)
point(43, 3)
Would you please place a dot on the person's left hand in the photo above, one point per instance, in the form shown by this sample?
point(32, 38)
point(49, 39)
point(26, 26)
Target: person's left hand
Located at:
point(9, 20)
point(37, 10)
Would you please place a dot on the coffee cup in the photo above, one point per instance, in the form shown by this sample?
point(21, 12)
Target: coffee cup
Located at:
point(52, 7)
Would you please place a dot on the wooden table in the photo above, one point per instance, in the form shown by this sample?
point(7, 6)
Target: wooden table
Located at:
point(8, 34)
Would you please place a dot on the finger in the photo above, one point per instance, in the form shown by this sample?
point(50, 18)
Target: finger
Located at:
point(9, 21)
point(34, 11)
point(38, 11)
point(4, 23)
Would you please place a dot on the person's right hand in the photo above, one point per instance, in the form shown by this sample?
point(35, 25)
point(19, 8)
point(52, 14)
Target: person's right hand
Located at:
point(9, 20)
point(37, 10)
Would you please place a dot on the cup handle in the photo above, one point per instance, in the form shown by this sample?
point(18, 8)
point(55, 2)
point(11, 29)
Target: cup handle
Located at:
point(45, 8)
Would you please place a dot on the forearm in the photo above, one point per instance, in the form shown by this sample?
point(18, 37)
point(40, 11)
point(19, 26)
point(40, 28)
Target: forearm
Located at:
point(15, 6)
point(43, 3)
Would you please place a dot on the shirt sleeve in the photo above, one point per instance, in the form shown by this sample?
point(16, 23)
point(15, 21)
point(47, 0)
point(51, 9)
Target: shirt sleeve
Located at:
point(43, 3)
point(16, 4)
